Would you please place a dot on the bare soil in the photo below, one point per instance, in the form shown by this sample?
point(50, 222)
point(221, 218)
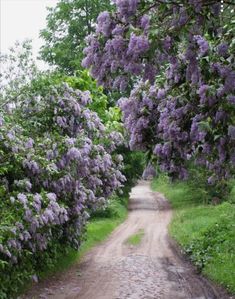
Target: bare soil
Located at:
point(116, 270)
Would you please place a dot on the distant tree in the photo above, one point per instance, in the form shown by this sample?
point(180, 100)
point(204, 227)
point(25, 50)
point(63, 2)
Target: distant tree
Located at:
point(67, 26)
point(18, 69)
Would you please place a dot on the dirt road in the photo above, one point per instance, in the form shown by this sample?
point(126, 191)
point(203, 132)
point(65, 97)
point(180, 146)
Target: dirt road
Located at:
point(116, 270)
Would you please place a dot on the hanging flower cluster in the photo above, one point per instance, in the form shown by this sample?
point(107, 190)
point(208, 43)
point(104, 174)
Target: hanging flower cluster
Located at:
point(58, 164)
point(177, 57)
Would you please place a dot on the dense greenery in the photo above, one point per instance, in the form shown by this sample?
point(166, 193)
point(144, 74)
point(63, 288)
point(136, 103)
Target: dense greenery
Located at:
point(205, 232)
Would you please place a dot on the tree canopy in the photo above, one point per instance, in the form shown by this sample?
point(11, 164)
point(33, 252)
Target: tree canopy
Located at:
point(67, 26)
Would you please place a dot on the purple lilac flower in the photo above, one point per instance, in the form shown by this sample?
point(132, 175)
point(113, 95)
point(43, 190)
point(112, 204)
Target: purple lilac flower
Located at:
point(203, 93)
point(22, 198)
point(51, 196)
point(149, 72)
point(28, 215)
point(197, 4)
point(118, 30)
point(161, 93)
point(29, 143)
point(193, 72)
point(223, 49)
point(183, 17)
point(231, 132)
point(231, 99)
point(202, 43)
point(11, 135)
point(233, 158)
point(86, 97)
point(104, 23)
point(138, 44)
point(145, 22)
point(61, 121)
point(167, 43)
point(70, 141)
point(126, 8)
point(26, 235)
point(33, 166)
point(7, 252)
point(1, 121)
point(158, 150)
point(28, 185)
point(74, 153)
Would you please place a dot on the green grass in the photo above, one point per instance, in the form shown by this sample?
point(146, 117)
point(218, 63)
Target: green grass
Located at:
point(136, 238)
point(206, 232)
point(99, 229)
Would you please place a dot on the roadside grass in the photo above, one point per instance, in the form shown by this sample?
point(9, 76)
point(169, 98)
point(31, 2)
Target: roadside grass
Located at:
point(136, 239)
point(205, 232)
point(99, 229)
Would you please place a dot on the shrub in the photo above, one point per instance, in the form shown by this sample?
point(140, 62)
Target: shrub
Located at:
point(58, 163)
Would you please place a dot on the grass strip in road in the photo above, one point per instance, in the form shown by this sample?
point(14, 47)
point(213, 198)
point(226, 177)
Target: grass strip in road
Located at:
point(205, 232)
point(135, 239)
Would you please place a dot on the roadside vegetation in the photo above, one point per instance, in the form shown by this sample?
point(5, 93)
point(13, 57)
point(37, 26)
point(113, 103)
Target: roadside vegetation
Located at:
point(205, 231)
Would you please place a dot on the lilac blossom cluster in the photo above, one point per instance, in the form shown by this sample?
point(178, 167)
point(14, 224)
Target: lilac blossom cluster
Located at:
point(180, 68)
point(65, 171)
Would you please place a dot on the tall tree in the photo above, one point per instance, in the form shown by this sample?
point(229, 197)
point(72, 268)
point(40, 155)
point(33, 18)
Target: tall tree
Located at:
point(67, 26)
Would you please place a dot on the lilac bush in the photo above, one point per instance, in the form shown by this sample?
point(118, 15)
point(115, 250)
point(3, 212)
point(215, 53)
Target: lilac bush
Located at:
point(175, 63)
point(58, 164)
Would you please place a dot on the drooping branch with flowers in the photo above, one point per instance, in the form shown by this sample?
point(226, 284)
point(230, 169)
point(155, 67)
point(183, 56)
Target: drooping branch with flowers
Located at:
point(174, 62)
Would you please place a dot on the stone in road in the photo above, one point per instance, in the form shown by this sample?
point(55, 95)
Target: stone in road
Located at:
point(116, 270)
